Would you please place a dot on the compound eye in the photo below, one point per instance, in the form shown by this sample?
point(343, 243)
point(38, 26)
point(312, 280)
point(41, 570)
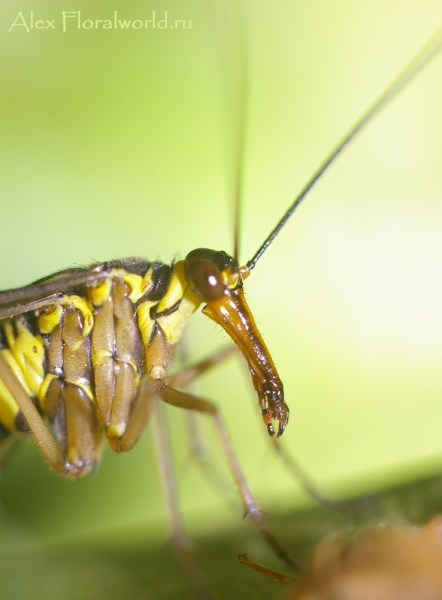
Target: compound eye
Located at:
point(205, 279)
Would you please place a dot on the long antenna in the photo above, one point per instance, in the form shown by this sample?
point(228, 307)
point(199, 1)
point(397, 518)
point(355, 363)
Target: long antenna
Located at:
point(244, 70)
point(416, 66)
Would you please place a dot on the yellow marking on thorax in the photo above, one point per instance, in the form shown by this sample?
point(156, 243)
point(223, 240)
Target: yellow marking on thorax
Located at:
point(85, 308)
point(99, 355)
point(145, 323)
point(8, 406)
point(44, 389)
point(138, 285)
point(47, 382)
point(50, 318)
point(86, 388)
point(101, 292)
point(173, 324)
point(28, 352)
point(130, 362)
point(175, 291)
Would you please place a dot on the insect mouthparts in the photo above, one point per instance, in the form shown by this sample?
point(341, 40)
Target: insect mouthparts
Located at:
point(273, 407)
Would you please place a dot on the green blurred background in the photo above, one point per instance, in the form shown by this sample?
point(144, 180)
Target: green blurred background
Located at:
point(122, 143)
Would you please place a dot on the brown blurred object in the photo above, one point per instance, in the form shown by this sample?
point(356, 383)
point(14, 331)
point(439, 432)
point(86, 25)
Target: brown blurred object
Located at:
point(382, 563)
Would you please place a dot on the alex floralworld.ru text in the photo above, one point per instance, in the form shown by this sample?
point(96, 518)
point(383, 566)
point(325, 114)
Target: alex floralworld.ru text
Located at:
point(70, 20)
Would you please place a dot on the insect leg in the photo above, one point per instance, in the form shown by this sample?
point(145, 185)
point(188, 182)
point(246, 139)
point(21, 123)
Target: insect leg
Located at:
point(302, 478)
point(197, 439)
point(252, 510)
point(44, 439)
point(180, 541)
point(146, 397)
point(190, 373)
point(270, 573)
point(140, 415)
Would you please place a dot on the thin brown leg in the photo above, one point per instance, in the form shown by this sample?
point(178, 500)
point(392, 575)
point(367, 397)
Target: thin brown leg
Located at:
point(180, 541)
point(199, 451)
point(301, 476)
point(252, 510)
point(270, 573)
point(43, 437)
point(190, 373)
point(197, 439)
point(348, 508)
point(187, 375)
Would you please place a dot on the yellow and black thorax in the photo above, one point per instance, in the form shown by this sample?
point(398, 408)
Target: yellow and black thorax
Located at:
point(96, 339)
